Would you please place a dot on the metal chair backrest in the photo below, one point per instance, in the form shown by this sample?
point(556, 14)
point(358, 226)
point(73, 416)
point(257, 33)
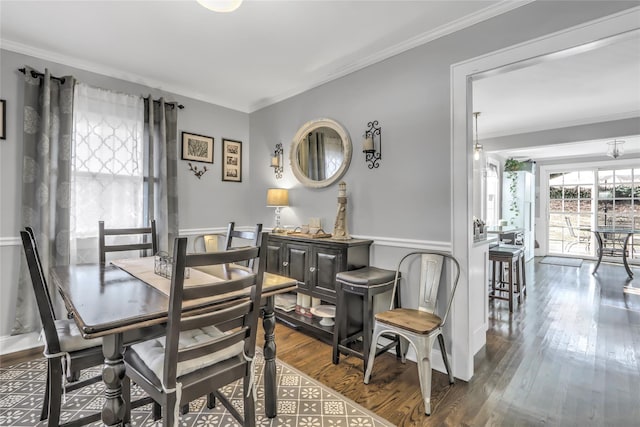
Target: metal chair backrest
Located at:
point(431, 264)
point(148, 236)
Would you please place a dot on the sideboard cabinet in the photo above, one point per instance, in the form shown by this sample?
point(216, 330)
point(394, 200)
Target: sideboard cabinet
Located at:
point(314, 264)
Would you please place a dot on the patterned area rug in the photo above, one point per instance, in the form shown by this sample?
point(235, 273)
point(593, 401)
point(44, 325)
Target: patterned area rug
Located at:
point(302, 401)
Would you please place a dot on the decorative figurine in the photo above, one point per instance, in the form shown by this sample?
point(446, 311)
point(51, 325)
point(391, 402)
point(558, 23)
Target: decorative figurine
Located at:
point(340, 231)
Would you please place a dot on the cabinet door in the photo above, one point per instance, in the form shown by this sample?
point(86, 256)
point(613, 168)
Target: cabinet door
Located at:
point(296, 263)
point(327, 262)
point(274, 258)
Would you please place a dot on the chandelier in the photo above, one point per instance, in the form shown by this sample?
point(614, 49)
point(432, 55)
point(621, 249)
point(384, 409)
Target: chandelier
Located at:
point(615, 148)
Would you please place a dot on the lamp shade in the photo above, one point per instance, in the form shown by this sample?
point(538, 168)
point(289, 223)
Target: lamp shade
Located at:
point(277, 197)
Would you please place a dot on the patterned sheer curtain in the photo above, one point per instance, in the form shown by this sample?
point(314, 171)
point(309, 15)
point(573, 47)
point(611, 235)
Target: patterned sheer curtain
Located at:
point(48, 106)
point(107, 167)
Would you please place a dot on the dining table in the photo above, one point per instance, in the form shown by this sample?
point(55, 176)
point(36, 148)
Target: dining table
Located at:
point(125, 302)
point(611, 235)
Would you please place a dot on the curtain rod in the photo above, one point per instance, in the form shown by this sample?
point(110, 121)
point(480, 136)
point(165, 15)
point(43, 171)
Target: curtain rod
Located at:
point(36, 74)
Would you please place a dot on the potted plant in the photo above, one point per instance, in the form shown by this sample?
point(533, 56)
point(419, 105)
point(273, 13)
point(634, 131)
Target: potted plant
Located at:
point(511, 166)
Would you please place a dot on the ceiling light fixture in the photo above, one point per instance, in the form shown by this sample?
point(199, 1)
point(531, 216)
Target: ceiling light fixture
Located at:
point(221, 5)
point(616, 148)
point(477, 147)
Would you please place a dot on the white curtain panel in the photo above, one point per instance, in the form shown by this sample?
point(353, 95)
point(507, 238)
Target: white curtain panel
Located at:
point(107, 166)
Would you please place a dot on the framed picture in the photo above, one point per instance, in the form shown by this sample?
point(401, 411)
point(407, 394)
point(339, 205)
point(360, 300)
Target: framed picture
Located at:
point(3, 119)
point(231, 160)
point(198, 148)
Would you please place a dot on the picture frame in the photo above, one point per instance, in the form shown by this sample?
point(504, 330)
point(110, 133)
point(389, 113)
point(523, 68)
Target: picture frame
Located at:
point(3, 119)
point(231, 160)
point(197, 148)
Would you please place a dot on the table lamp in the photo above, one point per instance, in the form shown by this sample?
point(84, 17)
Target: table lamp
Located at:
point(277, 197)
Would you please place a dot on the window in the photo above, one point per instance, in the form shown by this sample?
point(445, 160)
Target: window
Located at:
point(107, 166)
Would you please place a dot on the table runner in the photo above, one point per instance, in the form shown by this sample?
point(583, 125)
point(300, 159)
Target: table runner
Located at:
point(142, 268)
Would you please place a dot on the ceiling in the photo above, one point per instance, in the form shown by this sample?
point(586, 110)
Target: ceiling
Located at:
point(263, 52)
point(267, 51)
point(590, 84)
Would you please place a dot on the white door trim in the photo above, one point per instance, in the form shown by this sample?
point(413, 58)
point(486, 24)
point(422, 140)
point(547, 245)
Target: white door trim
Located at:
point(461, 156)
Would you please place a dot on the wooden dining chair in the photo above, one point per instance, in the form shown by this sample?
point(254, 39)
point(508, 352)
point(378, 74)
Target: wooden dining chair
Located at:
point(250, 237)
point(66, 351)
point(422, 326)
point(209, 347)
point(148, 236)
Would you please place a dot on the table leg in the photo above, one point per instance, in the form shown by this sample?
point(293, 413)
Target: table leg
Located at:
point(113, 372)
point(270, 386)
point(624, 255)
point(600, 245)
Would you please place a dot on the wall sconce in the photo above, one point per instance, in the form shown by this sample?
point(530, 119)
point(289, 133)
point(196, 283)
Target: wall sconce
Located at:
point(277, 198)
point(372, 156)
point(276, 161)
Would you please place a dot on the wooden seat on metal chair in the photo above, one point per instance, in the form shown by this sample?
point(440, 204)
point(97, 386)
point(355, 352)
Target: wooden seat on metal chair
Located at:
point(67, 352)
point(208, 348)
point(421, 326)
point(148, 239)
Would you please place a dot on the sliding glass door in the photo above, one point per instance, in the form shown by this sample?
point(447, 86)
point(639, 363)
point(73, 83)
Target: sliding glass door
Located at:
point(571, 202)
point(583, 199)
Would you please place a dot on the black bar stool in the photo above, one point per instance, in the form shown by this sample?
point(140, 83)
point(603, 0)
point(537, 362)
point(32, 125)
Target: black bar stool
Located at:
point(355, 291)
point(513, 256)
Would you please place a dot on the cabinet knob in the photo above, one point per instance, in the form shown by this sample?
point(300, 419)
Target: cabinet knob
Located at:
point(285, 263)
point(312, 269)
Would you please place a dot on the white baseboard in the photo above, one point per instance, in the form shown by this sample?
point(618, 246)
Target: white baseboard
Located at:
point(14, 343)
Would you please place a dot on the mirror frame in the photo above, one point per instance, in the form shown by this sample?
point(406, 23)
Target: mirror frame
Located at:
point(347, 150)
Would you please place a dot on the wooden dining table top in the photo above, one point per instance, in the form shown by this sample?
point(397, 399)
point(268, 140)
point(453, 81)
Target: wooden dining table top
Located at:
point(105, 299)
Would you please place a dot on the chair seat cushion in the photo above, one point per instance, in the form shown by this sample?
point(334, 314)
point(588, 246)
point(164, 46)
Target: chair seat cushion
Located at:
point(151, 352)
point(419, 322)
point(367, 276)
point(70, 337)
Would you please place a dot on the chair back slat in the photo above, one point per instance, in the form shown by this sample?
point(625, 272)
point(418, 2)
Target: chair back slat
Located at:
point(145, 233)
point(238, 321)
point(220, 288)
point(430, 275)
point(43, 299)
point(234, 255)
point(215, 317)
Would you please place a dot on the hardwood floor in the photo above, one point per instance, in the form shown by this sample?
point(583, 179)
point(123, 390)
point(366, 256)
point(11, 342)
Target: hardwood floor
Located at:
point(568, 356)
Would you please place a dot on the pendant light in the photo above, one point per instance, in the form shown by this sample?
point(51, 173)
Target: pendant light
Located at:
point(477, 147)
point(615, 148)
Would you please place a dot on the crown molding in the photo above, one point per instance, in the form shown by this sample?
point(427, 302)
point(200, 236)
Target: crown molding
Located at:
point(444, 30)
point(115, 73)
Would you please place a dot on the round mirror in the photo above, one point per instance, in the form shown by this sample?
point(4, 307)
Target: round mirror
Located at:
point(320, 153)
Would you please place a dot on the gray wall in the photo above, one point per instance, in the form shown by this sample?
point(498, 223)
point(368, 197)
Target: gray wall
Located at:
point(409, 94)
point(406, 200)
point(202, 201)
